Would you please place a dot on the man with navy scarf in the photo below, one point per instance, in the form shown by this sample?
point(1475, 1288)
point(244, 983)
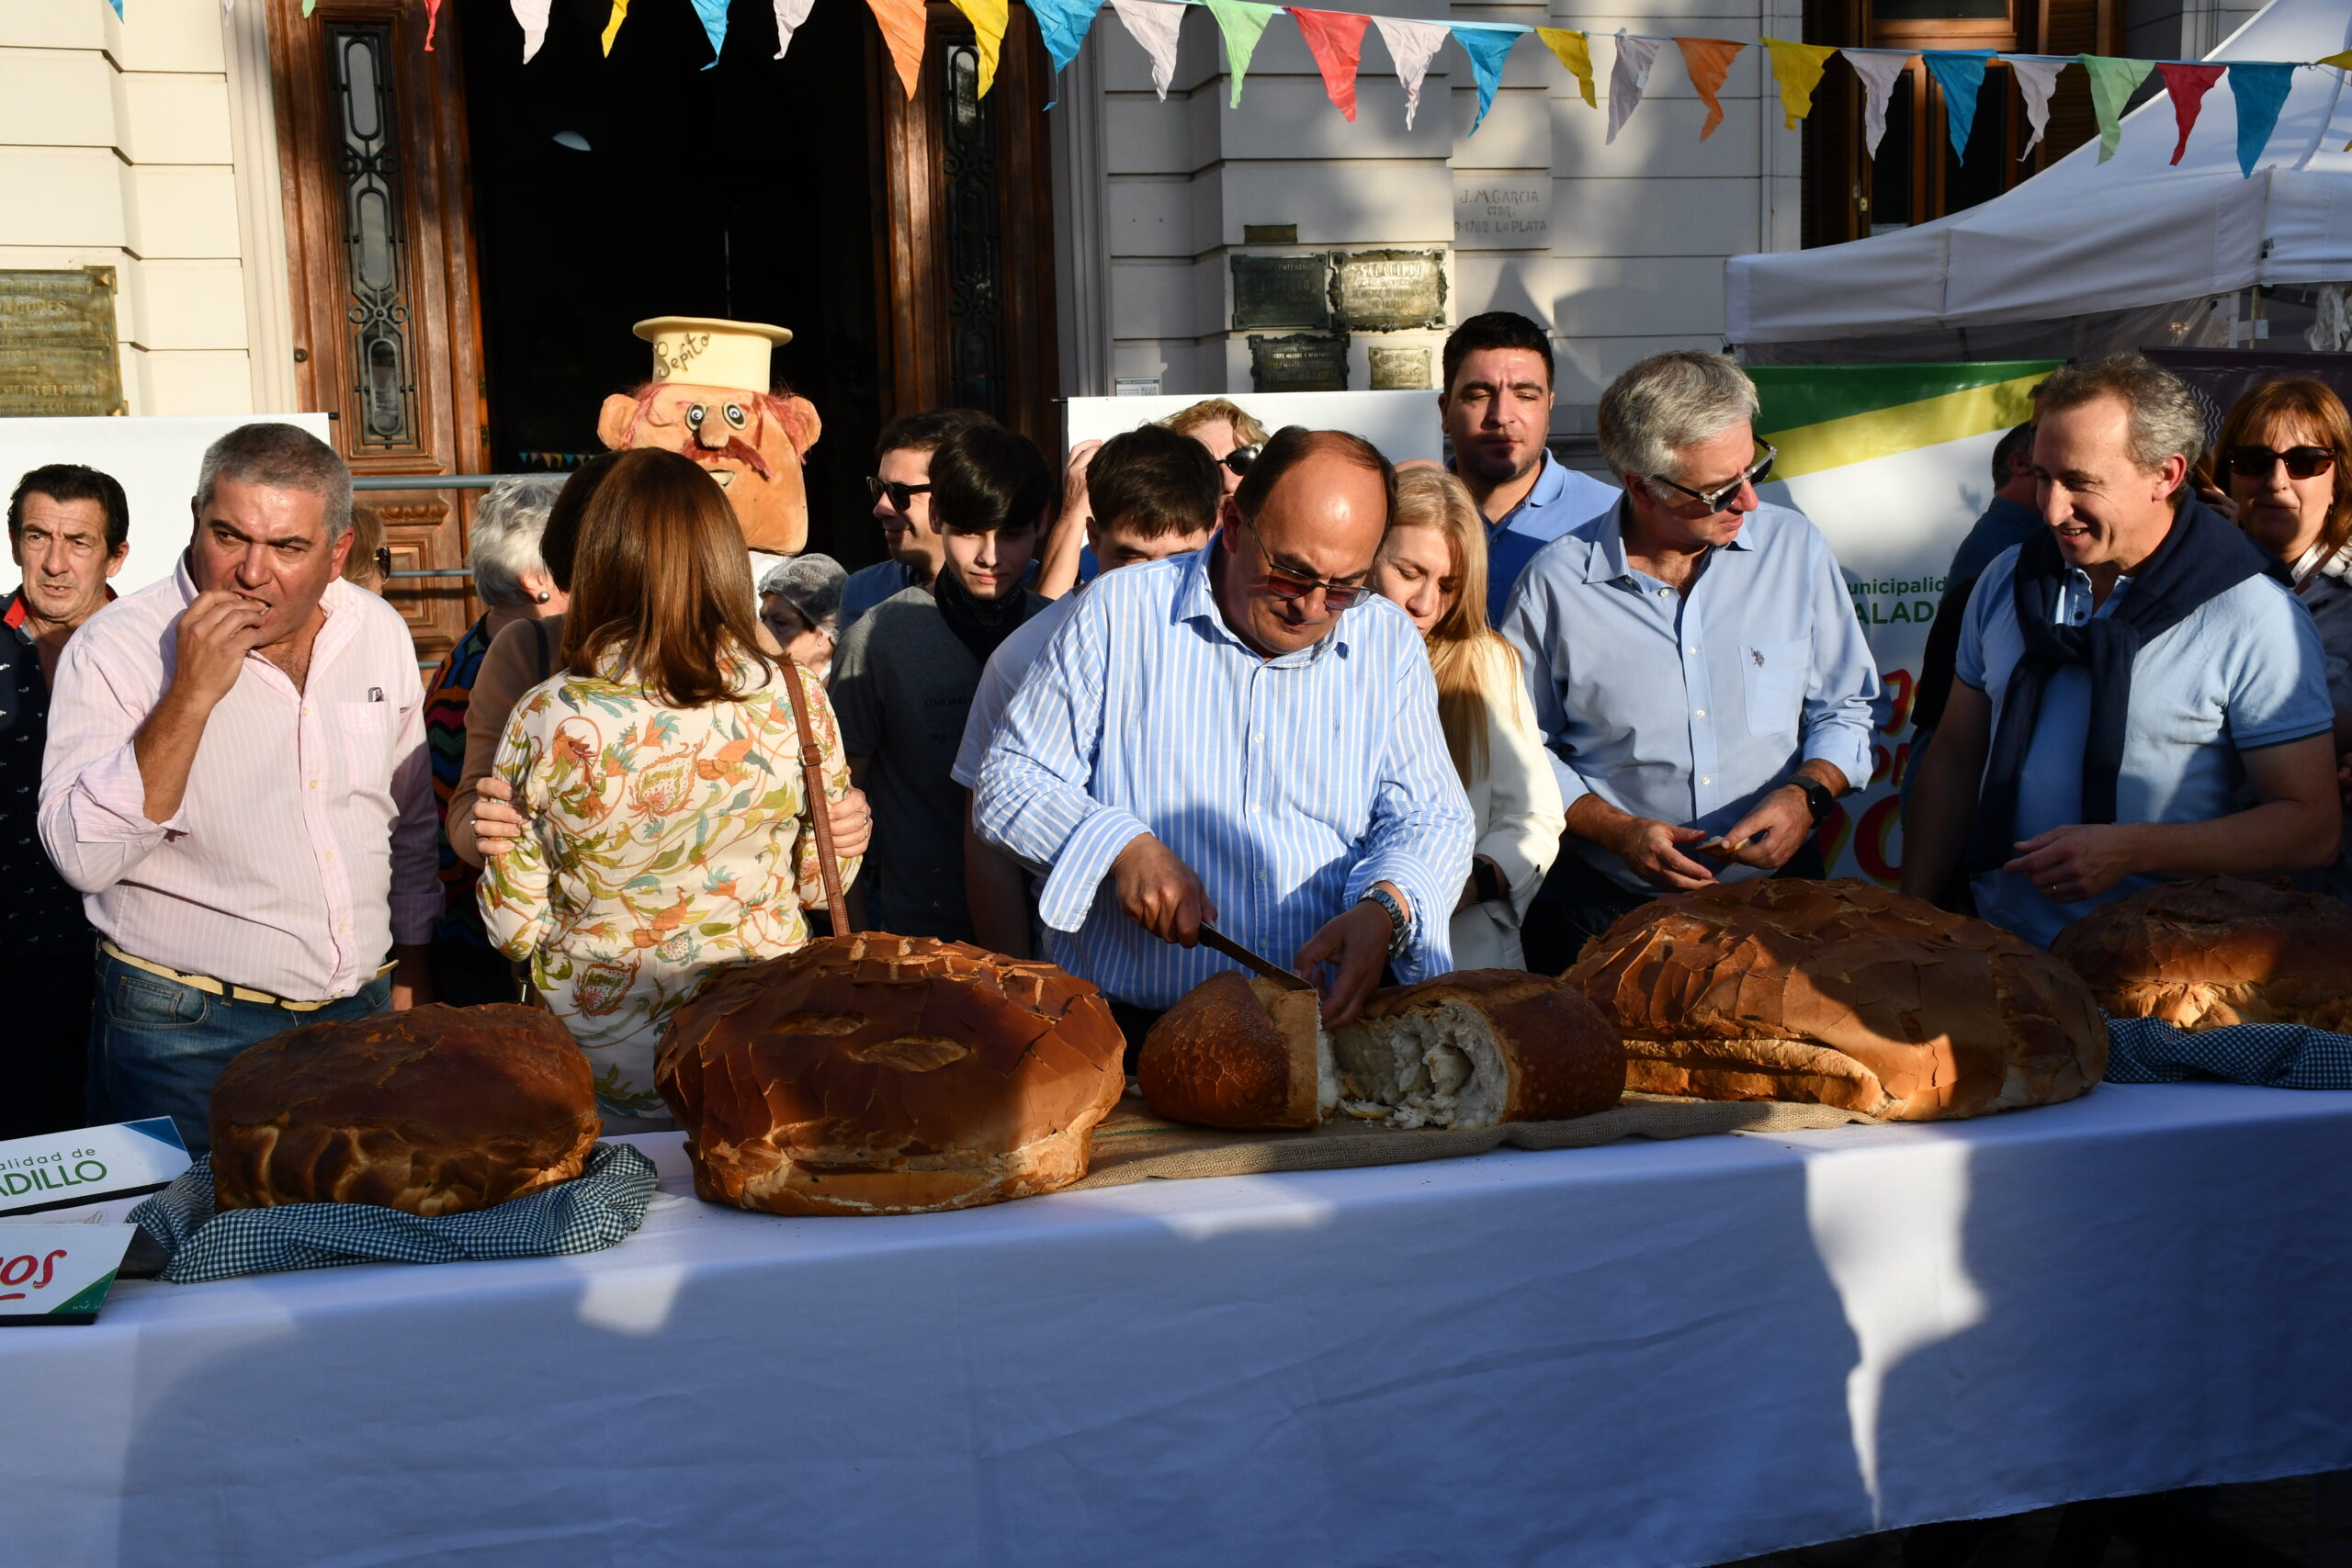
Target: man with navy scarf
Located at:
point(2126, 682)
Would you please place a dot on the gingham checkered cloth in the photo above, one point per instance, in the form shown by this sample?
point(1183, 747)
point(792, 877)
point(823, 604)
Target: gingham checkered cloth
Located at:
point(598, 1208)
point(2272, 1055)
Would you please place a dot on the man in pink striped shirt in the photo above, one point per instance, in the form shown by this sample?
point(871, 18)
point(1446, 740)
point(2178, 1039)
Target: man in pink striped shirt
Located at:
point(237, 782)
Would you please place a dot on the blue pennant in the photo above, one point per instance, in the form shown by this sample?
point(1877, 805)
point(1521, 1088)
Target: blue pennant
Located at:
point(1487, 49)
point(2260, 90)
point(1960, 73)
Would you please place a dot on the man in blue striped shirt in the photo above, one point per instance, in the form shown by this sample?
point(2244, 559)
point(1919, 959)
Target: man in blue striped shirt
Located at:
point(1249, 736)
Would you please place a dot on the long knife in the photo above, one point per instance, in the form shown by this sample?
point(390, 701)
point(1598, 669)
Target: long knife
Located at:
point(1234, 950)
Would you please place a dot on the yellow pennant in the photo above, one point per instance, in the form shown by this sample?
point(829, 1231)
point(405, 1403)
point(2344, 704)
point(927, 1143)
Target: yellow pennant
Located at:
point(988, 18)
point(1575, 50)
point(2341, 62)
point(613, 23)
point(1797, 67)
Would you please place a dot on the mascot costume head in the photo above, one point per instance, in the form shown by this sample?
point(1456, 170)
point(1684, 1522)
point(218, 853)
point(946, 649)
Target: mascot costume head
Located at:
point(709, 400)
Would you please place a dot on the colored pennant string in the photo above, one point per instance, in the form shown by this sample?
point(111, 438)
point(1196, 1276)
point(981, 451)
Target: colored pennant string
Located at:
point(1574, 51)
point(531, 16)
point(989, 19)
point(1489, 49)
point(1336, 40)
point(1153, 24)
point(2188, 84)
point(902, 26)
point(1878, 68)
point(1063, 25)
point(2113, 84)
point(1242, 23)
point(1797, 68)
point(611, 24)
point(1960, 73)
point(1411, 45)
point(713, 17)
point(1709, 62)
point(2260, 92)
point(1629, 79)
point(2036, 80)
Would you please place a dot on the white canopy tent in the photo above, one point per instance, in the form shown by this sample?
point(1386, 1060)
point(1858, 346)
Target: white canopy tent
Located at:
point(2084, 239)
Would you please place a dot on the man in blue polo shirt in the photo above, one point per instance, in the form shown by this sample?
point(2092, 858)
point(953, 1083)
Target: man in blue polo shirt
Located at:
point(2128, 680)
point(1498, 409)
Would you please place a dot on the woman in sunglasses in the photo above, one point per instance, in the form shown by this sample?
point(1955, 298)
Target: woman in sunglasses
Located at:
point(2285, 455)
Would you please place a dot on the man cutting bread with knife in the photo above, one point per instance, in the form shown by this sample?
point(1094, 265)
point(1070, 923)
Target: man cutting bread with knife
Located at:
point(1246, 736)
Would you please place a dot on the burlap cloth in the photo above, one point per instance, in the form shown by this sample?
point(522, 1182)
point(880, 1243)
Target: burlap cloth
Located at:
point(1131, 1145)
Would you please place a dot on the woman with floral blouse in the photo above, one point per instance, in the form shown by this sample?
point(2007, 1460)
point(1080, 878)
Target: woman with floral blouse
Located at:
point(659, 777)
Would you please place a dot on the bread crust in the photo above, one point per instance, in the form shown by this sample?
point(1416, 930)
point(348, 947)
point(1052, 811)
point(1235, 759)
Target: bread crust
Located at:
point(886, 1075)
point(1564, 1058)
point(434, 1111)
point(1949, 1017)
point(1233, 1052)
point(2216, 952)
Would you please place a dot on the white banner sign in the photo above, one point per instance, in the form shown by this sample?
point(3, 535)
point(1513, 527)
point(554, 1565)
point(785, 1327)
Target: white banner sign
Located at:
point(58, 1169)
point(58, 1274)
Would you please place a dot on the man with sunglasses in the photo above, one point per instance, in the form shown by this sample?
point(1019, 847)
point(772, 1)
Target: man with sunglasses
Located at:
point(1249, 736)
point(901, 486)
point(1694, 661)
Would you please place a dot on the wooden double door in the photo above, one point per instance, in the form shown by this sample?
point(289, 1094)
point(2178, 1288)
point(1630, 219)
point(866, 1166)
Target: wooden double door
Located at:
point(470, 237)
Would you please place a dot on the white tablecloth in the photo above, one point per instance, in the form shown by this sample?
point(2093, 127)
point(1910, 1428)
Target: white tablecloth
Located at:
point(1641, 1354)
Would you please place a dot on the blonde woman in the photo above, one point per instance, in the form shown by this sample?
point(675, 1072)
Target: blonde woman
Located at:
point(1433, 566)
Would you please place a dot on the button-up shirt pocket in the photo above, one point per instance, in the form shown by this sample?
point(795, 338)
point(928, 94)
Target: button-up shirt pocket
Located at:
point(1774, 675)
point(366, 731)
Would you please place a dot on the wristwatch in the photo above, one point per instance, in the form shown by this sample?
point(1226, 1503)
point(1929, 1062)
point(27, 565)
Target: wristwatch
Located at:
point(1400, 926)
point(1818, 799)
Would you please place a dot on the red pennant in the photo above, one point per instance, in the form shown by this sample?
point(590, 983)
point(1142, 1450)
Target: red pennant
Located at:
point(2189, 84)
point(1336, 39)
point(1709, 62)
point(432, 21)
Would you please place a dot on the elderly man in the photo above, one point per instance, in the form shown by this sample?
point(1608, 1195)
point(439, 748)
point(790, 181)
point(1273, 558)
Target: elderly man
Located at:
point(1497, 407)
point(237, 782)
point(1694, 660)
point(69, 529)
point(2127, 680)
point(1247, 734)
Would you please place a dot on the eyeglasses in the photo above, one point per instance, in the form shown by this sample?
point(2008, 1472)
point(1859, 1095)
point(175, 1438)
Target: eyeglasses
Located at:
point(1723, 495)
point(1289, 586)
point(2302, 462)
point(1241, 458)
point(878, 487)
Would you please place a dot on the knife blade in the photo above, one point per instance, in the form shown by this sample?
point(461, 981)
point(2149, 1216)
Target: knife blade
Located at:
point(1234, 950)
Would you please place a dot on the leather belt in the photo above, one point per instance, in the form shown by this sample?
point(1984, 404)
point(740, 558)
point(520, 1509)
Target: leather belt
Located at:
point(233, 993)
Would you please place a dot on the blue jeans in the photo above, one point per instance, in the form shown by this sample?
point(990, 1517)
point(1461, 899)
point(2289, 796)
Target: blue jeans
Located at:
point(156, 1045)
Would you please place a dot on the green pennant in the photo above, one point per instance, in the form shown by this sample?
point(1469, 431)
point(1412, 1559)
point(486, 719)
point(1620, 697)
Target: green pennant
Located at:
point(1242, 23)
point(2113, 84)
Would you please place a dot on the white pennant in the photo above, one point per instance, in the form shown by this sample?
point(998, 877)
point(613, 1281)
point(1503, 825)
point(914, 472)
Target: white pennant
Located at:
point(1629, 78)
point(2036, 79)
point(1878, 68)
point(1153, 24)
point(1412, 45)
point(789, 15)
point(533, 15)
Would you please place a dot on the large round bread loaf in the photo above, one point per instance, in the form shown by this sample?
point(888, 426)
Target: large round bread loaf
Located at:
point(1478, 1047)
point(2218, 950)
point(888, 1075)
point(1242, 1052)
point(1843, 994)
point(434, 1110)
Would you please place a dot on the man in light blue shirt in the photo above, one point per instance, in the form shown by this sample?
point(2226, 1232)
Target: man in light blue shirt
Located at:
point(1247, 735)
point(1694, 661)
point(2164, 678)
point(1497, 408)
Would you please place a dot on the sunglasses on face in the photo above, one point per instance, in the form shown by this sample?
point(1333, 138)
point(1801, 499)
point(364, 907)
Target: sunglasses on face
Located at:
point(2302, 462)
point(1289, 586)
point(900, 494)
point(1723, 495)
point(1241, 458)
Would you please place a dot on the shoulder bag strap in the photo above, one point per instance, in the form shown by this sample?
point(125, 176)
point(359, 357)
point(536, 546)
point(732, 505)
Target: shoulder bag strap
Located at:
point(812, 777)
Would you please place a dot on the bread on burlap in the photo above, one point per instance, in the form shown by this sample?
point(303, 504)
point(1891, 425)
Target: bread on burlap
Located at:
point(886, 1075)
point(1476, 1048)
point(1241, 1052)
point(2218, 950)
point(1843, 994)
point(434, 1111)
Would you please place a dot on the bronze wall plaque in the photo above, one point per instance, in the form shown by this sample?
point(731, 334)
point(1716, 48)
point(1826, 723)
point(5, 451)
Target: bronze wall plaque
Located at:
point(1282, 291)
point(1269, 234)
point(1302, 362)
point(1385, 291)
point(1399, 369)
point(57, 347)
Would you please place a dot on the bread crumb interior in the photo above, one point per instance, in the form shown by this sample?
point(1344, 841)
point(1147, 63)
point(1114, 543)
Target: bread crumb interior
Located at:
point(1435, 1066)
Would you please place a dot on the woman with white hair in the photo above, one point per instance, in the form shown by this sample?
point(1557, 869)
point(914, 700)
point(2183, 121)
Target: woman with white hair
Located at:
point(514, 585)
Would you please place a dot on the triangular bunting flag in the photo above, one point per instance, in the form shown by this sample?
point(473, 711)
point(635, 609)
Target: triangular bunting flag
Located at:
point(2341, 62)
point(2260, 90)
point(532, 16)
point(2112, 82)
point(1243, 23)
point(2188, 84)
point(432, 21)
point(1709, 62)
point(1797, 67)
point(117, 7)
point(902, 24)
point(1411, 46)
point(1878, 68)
point(989, 19)
point(1960, 73)
point(1575, 50)
point(789, 15)
point(2037, 79)
point(1063, 25)
point(1336, 40)
point(612, 23)
point(1629, 78)
point(1153, 24)
point(1488, 48)
point(713, 15)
